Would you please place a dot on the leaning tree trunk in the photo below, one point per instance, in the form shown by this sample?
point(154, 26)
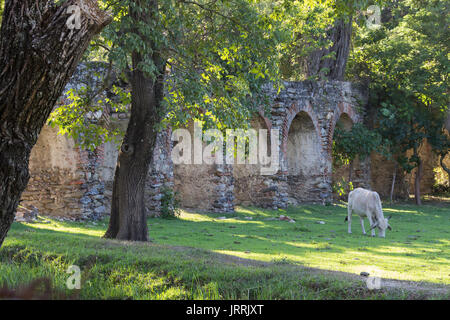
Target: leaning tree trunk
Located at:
point(38, 54)
point(128, 215)
point(340, 36)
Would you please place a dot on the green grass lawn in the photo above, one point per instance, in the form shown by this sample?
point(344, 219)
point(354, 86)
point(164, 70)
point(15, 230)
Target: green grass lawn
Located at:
point(188, 257)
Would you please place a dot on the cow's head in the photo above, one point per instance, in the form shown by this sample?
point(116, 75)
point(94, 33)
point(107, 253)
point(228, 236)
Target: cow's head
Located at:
point(382, 226)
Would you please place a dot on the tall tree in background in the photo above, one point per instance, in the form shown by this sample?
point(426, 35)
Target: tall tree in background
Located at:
point(204, 60)
point(321, 37)
point(406, 62)
point(330, 62)
point(38, 54)
point(128, 215)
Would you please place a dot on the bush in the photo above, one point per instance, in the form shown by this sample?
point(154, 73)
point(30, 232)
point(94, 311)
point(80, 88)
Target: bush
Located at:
point(170, 205)
point(441, 189)
point(342, 188)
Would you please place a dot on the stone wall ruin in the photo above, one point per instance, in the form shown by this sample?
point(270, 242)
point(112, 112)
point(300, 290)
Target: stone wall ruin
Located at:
point(70, 182)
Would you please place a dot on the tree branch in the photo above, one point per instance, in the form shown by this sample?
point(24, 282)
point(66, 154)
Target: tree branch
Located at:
point(211, 11)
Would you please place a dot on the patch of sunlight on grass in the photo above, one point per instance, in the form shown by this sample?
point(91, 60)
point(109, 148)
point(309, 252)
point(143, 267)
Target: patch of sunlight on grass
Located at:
point(257, 212)
point(301, 245)
point(201, 217)
point(402, 211)
point(249, 255)
point(417, 249)
point(405, 254)
point(55, 225)
point(444, 241)
point(190, 216)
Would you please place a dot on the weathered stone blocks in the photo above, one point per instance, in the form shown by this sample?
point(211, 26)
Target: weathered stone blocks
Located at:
point(70, 182)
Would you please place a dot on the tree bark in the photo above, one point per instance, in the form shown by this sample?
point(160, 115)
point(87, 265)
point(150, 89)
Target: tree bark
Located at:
point(446, 169)
point(350, 170)
point(128, 216)
point(38, 55)
point(417, 180)
point(394, 175)
point(340, 35)
point(447, 121)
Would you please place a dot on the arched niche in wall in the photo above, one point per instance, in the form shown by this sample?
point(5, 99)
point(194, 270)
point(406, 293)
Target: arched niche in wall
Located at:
point(342, 169)
point(304, 158)
point(248, 180)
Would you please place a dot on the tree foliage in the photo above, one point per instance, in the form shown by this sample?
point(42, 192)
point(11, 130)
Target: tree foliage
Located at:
point(219, 54)
point(320, 37)
point(359, 141)
point(2, 7)
point(84, 115)
point(405, 61)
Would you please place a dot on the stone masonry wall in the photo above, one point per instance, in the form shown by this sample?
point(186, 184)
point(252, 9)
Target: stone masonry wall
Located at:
point(78, 184)
point(321, 105)
point(205, 187)
point(160, 175)
point(306, 114)
point(69, 182)
point(63, 179)
point(250, 187)
point(383, 174)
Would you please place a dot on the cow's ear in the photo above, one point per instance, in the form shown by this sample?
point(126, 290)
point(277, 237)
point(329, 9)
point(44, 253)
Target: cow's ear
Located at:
point(389, 227)
point(389, 218)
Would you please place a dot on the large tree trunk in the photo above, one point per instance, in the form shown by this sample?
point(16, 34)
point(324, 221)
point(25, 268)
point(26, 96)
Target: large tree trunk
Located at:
point(128, 215)
point(340, 35)
point(38, 54)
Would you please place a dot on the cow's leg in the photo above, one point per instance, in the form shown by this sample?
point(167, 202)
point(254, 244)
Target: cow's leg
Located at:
point(361, 219)
point(371, 222)
point(349, 217)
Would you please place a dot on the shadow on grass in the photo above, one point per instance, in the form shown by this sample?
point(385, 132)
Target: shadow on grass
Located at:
point(202, 235)
point(89, 251)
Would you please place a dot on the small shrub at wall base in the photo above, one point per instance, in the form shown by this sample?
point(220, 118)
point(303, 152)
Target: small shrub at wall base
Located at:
point(170, 205)
point(441, 190)
point(341, 188)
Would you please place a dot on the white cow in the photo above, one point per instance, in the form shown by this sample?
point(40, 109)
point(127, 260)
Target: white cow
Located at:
point(366, 203)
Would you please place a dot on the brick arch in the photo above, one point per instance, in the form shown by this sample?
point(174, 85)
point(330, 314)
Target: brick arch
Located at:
point(348, 110)
point(266, 120)
point(342, 108)
point(291, 113)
